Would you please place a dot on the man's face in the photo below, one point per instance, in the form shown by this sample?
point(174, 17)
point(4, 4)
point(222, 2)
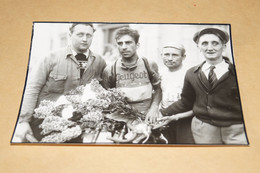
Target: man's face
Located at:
point(172, 57)
point(211, 47)
point(126, 46)
point(81, 38)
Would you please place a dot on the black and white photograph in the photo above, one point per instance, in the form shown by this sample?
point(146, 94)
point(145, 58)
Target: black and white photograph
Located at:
point(131, 84)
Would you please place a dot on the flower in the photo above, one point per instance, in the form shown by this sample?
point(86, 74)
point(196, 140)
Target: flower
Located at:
point(82, 108)
point(64, 136)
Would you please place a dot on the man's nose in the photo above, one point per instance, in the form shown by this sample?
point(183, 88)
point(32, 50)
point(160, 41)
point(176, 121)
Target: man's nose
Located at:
point(210, 47)
point(170, 58)
point(124, 46)
point(85, 38)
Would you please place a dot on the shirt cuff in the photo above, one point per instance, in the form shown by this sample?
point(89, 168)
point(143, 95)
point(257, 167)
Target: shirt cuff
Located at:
point(164, 113)
point(24, 118)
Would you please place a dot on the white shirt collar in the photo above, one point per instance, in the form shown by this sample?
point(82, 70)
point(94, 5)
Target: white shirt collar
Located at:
point(220, 68)
point(219, 65)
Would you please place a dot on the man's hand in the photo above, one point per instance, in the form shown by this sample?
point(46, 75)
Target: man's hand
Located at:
point(22, 132)
point(168, 118)
point(152, 115)
point(164, 121)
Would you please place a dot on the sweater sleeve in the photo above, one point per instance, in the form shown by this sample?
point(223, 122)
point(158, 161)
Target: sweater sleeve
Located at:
point(155, 78)
point(36, 80)
point(185, 103)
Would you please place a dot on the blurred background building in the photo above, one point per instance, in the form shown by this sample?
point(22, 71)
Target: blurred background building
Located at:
point(50, 36)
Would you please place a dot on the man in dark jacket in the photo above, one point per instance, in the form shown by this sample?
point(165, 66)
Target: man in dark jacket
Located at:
point(57, 74)
point(211, 91)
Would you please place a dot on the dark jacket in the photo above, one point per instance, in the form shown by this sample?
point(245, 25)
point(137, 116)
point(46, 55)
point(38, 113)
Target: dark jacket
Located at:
point(219, 105)
point(56, 75)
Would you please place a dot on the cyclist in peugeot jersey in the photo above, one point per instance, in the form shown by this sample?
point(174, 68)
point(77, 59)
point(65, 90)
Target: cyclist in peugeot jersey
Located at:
point(137, 77)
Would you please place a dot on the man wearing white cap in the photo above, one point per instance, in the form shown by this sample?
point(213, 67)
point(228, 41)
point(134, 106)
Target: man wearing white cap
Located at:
point(210, 90)
point(172, 79)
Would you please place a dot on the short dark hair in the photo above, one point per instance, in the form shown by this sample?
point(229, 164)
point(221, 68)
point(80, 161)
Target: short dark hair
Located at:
point(127, 31)
point(75, 24)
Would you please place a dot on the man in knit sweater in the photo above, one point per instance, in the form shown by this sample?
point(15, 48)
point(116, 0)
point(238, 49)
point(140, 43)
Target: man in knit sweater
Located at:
point(136, 76)
point(210, 90)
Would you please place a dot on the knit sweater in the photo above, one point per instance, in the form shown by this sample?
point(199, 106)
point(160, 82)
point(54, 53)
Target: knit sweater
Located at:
point(218, 105)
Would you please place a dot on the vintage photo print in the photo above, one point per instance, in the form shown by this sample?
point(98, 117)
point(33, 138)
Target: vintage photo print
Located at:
point(131, 84)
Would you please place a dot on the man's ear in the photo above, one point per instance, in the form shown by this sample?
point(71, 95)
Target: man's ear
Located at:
point(183, 57)
point(198, 47)
point(137, 45)
point(224, 47)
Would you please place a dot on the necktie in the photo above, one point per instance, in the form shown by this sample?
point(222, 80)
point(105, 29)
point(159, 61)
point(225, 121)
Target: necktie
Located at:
point(81, 58)
point(212, 76)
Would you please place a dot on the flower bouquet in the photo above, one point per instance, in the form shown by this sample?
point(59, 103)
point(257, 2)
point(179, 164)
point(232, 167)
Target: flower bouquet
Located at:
point(83, 110)
point(88, 111)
